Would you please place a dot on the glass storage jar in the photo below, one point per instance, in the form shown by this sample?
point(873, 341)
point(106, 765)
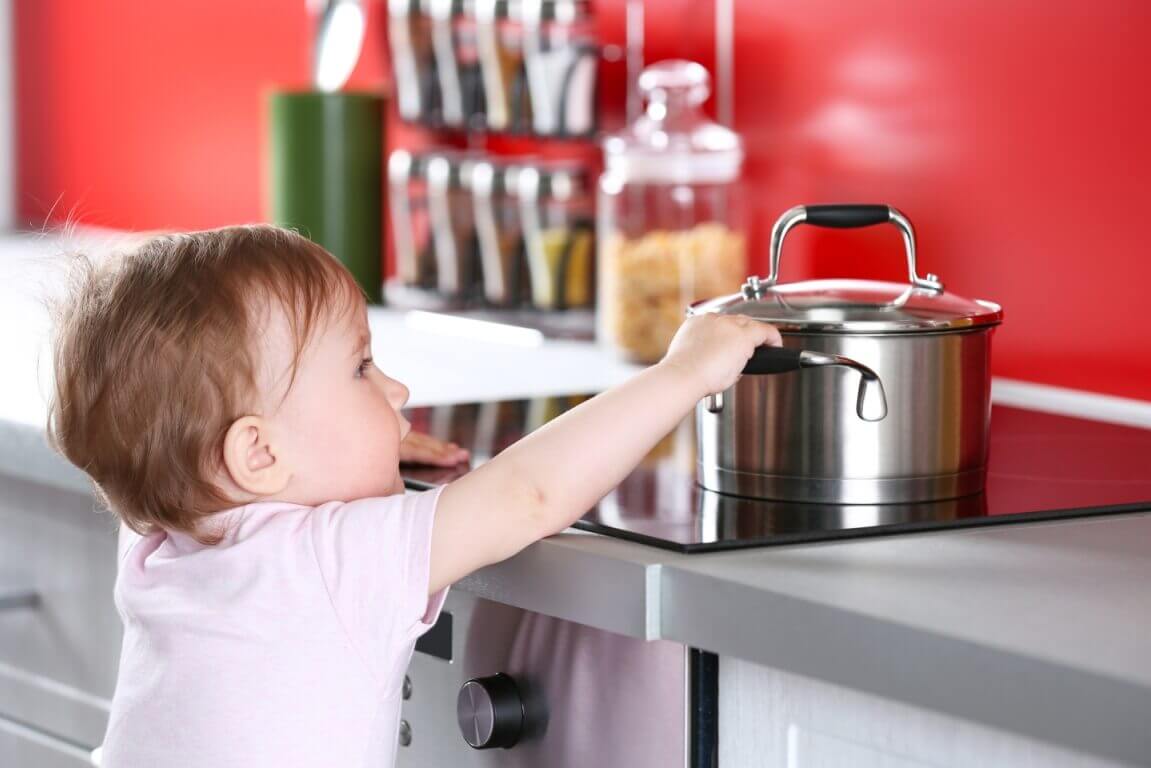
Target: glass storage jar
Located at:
point(669, 217)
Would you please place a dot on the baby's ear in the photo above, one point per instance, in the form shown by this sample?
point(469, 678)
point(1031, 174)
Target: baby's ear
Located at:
point(252, 459)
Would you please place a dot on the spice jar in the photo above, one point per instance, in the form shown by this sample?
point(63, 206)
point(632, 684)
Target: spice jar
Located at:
point(411, 230)
point(560, 52)
point(457, 63)
point(556, 217)
point(669, 221)
point(450, 216)
point(413, 60)
point(499, 40)
point(497, 221)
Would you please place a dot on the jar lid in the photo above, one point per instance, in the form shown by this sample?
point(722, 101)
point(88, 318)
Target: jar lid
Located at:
point(442, 9)
point(493, 177)
point(404, 166)
point(557, 181)
point(486, 11)
point(450, 168)
point(563, 11)
point(855, 306)
point(674, 142)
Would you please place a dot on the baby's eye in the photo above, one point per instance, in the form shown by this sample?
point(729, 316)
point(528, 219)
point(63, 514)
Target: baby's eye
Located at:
point(363, 367)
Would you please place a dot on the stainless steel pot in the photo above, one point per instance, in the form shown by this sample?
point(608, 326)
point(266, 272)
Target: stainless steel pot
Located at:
point(895, 406)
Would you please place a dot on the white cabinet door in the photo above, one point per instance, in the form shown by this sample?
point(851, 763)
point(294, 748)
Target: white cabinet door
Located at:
point(58, 658)
point(774, 719)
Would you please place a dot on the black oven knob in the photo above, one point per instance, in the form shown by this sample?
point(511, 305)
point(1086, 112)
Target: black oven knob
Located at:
point(490, 712)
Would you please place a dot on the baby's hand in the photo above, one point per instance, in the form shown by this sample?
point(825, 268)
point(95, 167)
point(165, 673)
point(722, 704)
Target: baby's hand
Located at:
point(713, 348)
point(418, 448)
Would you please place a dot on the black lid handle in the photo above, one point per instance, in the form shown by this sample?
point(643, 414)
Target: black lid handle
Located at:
point(839, 216)
point(846, 215)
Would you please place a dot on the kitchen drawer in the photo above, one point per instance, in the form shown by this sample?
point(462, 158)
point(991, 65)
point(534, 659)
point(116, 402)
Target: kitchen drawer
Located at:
point(58, 658)
point(24, 747)
point(769, 718)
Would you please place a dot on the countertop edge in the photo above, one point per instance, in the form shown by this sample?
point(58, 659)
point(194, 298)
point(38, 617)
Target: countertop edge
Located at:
point(573, 576)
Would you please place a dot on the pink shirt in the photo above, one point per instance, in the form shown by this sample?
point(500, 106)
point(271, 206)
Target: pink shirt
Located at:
point(284, 645)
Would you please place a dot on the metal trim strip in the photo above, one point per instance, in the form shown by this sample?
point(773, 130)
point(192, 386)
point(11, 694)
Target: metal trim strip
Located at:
point(1071, 402)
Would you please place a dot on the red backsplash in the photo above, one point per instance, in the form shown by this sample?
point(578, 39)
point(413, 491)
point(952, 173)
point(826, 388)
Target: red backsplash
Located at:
point(1014, 135)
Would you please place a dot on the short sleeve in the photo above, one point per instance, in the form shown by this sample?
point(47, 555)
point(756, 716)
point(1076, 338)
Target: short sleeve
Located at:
point(374, 556)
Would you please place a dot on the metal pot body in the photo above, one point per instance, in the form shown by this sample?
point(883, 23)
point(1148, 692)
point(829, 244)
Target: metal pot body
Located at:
point(797, 437)
point(822, 434)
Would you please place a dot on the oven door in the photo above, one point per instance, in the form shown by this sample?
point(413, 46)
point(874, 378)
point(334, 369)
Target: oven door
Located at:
point(561, 694)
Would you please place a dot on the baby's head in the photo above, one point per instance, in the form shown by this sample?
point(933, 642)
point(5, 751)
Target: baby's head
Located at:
point(209, 369)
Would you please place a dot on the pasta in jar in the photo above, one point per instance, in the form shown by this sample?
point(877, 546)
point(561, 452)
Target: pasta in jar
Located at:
point(647, 283)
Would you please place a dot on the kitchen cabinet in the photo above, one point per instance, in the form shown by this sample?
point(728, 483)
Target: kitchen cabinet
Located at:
point(58, 657)
point(774, 719)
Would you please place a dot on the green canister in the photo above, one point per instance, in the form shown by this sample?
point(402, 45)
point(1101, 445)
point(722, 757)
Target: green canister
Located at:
point(325, 175)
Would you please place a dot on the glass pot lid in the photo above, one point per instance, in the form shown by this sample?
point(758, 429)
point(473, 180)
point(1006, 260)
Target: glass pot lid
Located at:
point(852, 306)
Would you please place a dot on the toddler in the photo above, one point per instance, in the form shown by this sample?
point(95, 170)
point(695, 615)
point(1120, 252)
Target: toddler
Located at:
point(219, 388)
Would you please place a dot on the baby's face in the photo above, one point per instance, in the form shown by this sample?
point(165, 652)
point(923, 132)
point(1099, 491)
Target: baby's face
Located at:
point(340, 427)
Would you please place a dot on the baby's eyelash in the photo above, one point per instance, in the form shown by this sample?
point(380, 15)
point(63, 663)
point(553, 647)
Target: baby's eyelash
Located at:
point(363, 367)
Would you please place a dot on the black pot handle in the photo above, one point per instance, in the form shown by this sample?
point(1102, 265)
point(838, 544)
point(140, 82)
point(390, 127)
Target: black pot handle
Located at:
point(764, 360)
point(870, 400)
point(773, 360)
point(847, 215)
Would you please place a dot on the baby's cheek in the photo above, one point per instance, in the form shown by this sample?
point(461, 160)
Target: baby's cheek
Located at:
point(385, 444)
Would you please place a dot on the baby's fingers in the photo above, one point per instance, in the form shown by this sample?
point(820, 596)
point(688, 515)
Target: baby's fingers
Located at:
point(420, 448)
point(759, 332)
point(767, 334)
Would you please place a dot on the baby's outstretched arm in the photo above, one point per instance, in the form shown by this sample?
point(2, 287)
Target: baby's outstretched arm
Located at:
point(547, 480)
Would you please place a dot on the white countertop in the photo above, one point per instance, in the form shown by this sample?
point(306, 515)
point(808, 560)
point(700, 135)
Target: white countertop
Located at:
point(438, 366)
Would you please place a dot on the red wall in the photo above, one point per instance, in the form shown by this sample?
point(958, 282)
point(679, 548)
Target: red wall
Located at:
point(1014, 134)
point(146, 114)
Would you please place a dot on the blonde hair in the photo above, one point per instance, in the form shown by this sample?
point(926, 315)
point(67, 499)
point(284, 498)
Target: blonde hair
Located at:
point(155, 356)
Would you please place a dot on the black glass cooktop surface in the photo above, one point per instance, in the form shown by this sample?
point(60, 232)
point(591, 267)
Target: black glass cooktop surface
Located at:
point(1042, 467)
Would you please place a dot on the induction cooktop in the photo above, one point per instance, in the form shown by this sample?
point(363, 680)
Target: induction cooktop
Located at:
point(1042, 467)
